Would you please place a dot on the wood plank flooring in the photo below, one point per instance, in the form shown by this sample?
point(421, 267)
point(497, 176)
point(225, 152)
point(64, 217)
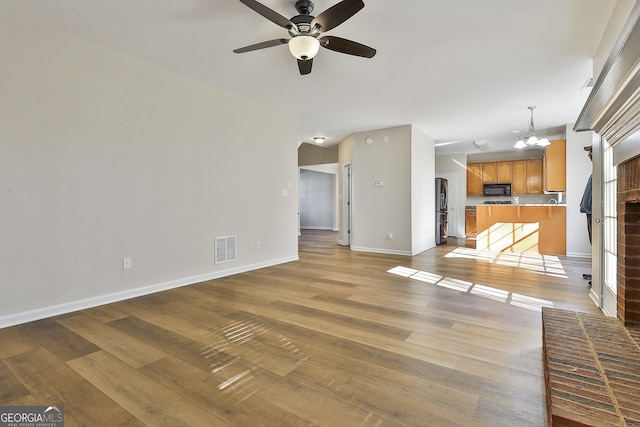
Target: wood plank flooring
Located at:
point(451, 337)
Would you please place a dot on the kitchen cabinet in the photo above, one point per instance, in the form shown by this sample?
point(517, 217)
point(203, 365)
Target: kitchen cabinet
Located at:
point(474, 179)
point(555, 166)
point(527, 176)
point(489, 173)
point(534, 176)
point(470, 223)
point(524, 175)
point(519, 182)
point(504, 172)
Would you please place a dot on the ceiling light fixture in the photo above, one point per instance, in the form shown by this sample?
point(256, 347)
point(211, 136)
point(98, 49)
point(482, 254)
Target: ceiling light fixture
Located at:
point(533, 139)
point(520, 144)
point(319, 139)
point(304, 47)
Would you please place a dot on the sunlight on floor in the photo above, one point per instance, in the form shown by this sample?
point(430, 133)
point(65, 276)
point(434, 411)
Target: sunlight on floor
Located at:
point(549, 265)
point(484, 291)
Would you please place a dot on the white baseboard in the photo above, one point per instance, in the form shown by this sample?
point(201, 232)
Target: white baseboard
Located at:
point(69, 307)
point(381, 251)
point(316, 227)
point(578, 255)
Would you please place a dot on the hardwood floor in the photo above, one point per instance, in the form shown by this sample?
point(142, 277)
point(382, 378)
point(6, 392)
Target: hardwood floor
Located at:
point(449, 337)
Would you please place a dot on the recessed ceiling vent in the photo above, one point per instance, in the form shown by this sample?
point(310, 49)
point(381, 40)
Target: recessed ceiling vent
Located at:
point(226, 249)
point(482, 145)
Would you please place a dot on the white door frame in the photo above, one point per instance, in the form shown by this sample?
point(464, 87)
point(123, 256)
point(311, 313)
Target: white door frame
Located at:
point(346, 205)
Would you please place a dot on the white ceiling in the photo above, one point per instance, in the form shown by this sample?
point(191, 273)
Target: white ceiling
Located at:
point(459, 70)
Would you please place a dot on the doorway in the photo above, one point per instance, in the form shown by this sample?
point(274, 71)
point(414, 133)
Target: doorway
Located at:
point(453, 210)
point(346, 205)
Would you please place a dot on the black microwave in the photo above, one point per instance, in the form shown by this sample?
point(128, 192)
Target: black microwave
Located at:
point(492, 190)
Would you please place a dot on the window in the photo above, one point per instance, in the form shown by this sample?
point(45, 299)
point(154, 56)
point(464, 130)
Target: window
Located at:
point(609, 235)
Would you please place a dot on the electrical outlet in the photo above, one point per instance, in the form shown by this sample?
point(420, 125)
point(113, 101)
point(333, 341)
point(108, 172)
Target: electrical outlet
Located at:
point(258, 244)
point(126, 263)
point(390, 236)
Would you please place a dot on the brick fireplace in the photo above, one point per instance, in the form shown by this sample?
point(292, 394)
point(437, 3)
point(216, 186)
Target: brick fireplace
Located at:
point(628, 205)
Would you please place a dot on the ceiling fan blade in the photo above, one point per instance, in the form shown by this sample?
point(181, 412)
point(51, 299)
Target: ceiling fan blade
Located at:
point(262, 45)
point(270, 14)
point(337, 14)
point(347, 46)
point(305, 66)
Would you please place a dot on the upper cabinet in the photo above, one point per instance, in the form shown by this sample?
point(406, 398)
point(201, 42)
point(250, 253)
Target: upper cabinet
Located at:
point(555, 166)
point(496, 172)
point(474, 179)
point(534, 176)
point(489, 173)
point(525, 176)
point(505, 174)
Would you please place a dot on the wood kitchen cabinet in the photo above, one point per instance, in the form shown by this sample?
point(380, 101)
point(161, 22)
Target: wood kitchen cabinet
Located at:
point(489, 173)
point(534, 176)
point(504, 171)
point(470, 223)
point(527, 176)
point(555, 166)
point(474, 179)
point(519, 181)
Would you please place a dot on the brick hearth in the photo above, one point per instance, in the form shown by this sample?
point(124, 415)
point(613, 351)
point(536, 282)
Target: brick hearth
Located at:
point(592, 369)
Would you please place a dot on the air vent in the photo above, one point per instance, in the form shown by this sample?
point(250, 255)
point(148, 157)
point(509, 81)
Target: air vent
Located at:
point(482, 145)
point(226, 249)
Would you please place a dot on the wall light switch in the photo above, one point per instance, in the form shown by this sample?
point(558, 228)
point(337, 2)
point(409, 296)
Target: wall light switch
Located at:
point(285, 193)
point(379, 184)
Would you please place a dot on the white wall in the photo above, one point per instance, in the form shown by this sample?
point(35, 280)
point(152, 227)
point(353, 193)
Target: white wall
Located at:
point(579, 168)
point(380, 210)
point(333, 169)
point(104, 157)
point(393, 205)
point(317, 200)
point(423, 203)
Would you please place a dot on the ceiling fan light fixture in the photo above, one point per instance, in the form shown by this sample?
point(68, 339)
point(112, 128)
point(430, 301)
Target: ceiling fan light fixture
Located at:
point(304, 47)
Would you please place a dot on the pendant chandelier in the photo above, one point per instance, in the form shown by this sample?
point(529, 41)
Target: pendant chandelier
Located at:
point(536, 138)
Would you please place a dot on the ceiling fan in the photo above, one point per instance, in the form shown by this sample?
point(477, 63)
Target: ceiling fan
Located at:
point(305, 31)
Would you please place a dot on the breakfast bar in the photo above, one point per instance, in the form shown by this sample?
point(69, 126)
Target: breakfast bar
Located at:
point(537, 228)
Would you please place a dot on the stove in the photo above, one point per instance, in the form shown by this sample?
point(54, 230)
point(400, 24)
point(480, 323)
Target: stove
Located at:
point(498, 202)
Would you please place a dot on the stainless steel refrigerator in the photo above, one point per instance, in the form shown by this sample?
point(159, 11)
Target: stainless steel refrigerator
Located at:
point(441, 211)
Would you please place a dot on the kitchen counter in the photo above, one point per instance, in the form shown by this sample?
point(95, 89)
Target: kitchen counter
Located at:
point(522, 204)
point(538, 228)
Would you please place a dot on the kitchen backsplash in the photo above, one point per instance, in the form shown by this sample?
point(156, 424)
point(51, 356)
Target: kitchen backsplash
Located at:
point(523, 199)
